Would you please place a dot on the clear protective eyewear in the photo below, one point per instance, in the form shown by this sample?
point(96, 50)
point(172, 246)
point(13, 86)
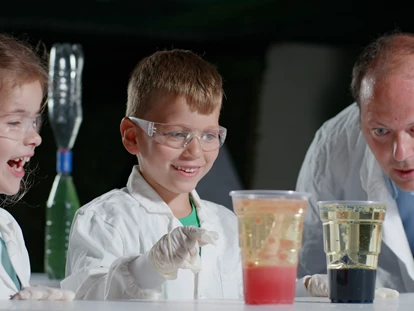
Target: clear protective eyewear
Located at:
point(180, 136)
point(15, 126)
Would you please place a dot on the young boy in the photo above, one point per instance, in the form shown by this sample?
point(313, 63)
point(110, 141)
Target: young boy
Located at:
point(143, 241)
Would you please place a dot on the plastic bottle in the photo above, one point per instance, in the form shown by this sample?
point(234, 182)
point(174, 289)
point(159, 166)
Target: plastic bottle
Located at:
point(65, 117)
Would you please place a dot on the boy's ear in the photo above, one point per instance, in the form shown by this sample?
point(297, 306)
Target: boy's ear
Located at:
point(129, 138)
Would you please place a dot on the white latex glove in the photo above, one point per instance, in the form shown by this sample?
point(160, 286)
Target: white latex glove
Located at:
point(180, 249)
point(383, 292)
point(43, 293)
point(318, 286)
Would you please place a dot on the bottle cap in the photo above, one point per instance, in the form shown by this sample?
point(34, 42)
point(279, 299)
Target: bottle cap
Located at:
point(64, 161)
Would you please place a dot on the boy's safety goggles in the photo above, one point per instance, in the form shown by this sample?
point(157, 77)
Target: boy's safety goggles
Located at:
point(180, 136)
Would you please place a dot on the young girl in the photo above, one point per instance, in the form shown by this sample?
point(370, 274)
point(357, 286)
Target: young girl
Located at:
point(23, 81)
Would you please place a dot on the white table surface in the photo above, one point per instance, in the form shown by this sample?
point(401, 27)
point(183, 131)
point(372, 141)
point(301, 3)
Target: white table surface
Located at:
point(404, 303)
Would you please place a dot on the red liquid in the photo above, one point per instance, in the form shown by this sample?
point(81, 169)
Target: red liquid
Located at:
point(269, 285)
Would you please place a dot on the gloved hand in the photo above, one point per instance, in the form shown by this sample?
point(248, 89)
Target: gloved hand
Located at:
point(318, 286)
point(180, 249)
point(43, 293)
point(383, 292)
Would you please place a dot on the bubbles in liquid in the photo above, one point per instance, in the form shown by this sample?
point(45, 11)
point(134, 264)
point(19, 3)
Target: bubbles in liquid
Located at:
point(270, 231)
point(352, 234)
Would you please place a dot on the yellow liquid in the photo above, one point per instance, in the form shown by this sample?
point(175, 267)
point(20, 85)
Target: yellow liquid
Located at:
point(270, 231)
point(352, 236)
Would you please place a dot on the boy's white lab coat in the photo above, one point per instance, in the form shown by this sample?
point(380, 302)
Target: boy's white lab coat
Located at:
point(114, 229)
point(12, 235)
point(340, 166)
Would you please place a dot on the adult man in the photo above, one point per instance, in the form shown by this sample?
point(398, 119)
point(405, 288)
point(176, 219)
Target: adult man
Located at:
point(366, 152)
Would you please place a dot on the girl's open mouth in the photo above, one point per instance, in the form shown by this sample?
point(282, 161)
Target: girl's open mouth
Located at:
point(18, 163)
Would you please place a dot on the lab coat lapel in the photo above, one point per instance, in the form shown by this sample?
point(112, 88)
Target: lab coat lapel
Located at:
point(393, 234)
point(147, 197)
point(7, 234)
point(209, 221)
point(209, 253)
point(5, 278)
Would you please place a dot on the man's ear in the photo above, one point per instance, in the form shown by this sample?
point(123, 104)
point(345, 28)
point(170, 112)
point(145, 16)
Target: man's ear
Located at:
point(129, 138)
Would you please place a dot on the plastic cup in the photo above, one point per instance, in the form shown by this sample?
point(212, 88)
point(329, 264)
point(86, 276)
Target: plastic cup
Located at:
point(270, 236)
point(352, 243)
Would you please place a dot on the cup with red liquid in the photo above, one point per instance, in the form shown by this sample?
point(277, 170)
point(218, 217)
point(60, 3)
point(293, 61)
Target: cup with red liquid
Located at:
point(270, 237)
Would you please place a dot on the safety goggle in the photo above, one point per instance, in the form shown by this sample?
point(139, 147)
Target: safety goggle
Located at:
point(15, 126)
point(180, 136)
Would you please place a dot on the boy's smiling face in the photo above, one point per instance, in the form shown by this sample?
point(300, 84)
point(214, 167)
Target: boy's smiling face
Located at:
point(175, 171)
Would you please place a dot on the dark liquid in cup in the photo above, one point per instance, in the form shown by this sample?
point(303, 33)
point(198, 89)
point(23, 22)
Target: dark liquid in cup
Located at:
point(352, 285)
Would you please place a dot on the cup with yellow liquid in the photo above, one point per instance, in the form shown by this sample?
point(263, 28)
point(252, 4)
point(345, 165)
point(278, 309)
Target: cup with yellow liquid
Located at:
point(270, 237)
point(352, 242)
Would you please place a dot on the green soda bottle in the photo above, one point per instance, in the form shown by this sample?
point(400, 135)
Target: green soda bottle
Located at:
point(65, 116)
point(62, 205)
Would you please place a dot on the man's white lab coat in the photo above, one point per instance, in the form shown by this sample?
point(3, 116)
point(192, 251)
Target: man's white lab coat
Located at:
point(340, 166)
point(114, 229)
point(12, 235)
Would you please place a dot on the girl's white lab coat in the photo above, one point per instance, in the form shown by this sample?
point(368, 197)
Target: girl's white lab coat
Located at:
point(340, 166)
point(114, 229)
point(12, 235)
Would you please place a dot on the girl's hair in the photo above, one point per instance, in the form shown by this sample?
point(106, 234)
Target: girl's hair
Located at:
point(21, 63)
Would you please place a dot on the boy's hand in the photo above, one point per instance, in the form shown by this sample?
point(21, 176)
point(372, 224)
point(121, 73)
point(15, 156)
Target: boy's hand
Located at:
point(43, 293)
point(180, 249)
point(318, 286)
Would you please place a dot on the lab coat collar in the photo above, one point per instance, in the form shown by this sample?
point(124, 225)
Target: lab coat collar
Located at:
point(374, 183)
point(6, 228)
point(150, 200)
point(208, 219)
point(8, 232)
point(147, 197)
point(395, 189)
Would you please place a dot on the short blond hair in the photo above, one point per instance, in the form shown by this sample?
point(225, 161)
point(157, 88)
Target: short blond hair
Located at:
point(177, 72)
